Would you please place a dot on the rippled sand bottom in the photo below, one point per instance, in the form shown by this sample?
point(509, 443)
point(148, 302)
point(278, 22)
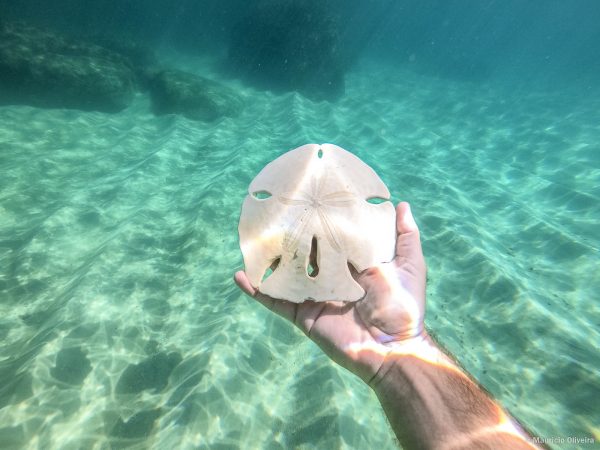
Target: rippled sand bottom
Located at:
point(120, 325)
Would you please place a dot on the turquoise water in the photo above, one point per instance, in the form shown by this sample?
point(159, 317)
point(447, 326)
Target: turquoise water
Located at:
point(119, 240)
point(120, 325)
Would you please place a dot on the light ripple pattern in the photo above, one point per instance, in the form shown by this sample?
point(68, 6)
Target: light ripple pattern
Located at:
point(119, 321)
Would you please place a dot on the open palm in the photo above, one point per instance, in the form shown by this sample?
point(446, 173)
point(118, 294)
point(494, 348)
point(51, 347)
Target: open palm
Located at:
point(356, 335)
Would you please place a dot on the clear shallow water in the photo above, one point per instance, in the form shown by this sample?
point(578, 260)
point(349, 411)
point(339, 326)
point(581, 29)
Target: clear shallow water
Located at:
point(119, 321)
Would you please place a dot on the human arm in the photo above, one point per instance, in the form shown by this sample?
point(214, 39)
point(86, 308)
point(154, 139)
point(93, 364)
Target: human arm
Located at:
point(429, 401)
point(432, 403)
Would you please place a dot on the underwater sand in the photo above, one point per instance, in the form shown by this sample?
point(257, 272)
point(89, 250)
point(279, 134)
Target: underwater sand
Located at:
point(120, 325)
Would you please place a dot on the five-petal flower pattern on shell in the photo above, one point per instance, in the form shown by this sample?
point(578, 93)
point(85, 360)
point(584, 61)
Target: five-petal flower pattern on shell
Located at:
point(315, 198)
point(315, 204)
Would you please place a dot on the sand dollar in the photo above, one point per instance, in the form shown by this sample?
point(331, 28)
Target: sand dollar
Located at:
point(318, 199)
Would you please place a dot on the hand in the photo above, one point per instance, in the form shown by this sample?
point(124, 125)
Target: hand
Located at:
point(358, 335)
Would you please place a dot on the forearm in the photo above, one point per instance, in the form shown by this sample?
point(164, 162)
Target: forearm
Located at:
point(431, 403)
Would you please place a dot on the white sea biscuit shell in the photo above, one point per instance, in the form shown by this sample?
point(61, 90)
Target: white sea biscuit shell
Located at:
point(315, 194)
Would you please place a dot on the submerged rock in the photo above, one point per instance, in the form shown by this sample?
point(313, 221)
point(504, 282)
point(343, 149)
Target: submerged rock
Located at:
point(139, 57)
point(42, 68)
point(195, 97)
point(290, 45)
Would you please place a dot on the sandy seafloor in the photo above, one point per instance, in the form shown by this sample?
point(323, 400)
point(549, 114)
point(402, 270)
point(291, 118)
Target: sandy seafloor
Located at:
point(120, 325)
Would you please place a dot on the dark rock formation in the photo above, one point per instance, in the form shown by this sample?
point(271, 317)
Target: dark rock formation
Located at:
point(195, 97)
point(139, 57)
point(290, 45)
point(45, 69)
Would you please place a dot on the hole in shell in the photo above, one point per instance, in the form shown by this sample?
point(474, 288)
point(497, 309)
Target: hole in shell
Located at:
point(313, 267)
point(320, 153)
point(261, 195)
point(353, 270)
point(377, 200)
point(271, 268)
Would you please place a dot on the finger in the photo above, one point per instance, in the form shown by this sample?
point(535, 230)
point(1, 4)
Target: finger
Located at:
point(243, 283)
point(405, 222)
point(285, 309)
point(408, 241)
point(366, 279)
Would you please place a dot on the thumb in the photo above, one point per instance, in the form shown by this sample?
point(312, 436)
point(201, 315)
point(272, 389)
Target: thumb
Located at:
point(405, 222)
point(408, 240)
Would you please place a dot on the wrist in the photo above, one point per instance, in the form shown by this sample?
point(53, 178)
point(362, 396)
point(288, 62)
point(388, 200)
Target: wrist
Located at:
point(372, 361)
point(399, 353)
